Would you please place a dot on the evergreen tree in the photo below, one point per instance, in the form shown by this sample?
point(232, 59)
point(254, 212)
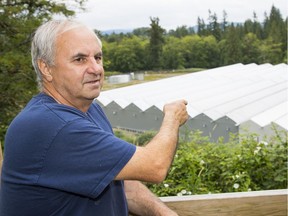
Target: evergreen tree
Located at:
point(231, 47)
point(257, 28)
point(224, 21)
point(201, 27)
point(275, 31)
point(214, 26)
point(156, 43)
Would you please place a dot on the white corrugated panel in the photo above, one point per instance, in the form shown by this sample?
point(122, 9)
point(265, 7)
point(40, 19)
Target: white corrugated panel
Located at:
point(255, 93)
point(271, 115)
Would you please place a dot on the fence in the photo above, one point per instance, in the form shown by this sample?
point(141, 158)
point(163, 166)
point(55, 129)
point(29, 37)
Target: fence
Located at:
point(257, 203)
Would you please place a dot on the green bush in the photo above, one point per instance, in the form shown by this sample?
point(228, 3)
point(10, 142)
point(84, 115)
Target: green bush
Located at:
point(201, 167)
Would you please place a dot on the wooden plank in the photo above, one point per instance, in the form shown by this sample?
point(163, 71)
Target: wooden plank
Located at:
point(256, 203)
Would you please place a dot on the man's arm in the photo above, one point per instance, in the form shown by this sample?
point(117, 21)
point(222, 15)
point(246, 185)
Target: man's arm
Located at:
point(141, 201)
point(152, 162)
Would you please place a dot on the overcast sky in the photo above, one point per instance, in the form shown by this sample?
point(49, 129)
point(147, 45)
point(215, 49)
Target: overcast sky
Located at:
point(130, 14)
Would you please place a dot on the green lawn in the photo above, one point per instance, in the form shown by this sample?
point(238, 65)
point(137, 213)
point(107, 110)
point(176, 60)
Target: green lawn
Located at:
point(149, 76)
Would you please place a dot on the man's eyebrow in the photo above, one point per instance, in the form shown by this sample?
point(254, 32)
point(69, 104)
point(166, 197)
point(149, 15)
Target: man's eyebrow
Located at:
point(77, 55)
point(98, 54)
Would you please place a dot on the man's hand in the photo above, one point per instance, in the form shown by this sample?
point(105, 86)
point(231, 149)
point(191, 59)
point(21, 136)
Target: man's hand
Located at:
point(176, 111)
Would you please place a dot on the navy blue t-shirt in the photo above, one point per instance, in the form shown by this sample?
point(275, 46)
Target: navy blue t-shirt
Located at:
point(61, 161)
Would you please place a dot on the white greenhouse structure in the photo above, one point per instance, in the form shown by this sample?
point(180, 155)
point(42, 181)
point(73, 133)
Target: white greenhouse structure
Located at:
point(231, 99)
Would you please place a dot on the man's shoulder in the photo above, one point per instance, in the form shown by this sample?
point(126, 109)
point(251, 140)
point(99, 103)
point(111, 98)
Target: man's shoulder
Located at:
point(43, 107)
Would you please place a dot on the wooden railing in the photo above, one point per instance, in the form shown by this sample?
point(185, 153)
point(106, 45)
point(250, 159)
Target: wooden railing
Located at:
point(258, 203)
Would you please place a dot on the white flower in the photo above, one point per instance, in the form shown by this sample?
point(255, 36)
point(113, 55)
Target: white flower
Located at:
point(202, 162)
point(236, 186)
point(249, 189)
point(166, 185)
point(179, 194)
point(264, 143)
point(237, 176)
point(183, 192)
point(258, 148)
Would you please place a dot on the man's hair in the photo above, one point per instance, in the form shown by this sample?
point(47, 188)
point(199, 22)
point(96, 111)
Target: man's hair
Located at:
point(44, 42)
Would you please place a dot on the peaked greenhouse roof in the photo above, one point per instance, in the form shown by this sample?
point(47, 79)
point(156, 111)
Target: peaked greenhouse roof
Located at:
point(234, 96)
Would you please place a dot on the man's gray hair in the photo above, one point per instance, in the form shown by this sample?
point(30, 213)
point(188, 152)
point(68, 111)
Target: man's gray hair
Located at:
point(44, 42)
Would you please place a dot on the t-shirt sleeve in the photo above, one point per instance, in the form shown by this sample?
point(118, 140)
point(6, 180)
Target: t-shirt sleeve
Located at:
point(84, 159)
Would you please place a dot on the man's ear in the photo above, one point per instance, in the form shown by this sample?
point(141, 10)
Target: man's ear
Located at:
point(45, 70)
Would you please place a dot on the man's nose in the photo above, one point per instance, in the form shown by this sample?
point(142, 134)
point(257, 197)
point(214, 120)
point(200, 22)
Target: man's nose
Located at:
point(94, 66)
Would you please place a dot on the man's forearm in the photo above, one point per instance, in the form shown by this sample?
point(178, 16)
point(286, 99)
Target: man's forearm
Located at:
point(141, 201)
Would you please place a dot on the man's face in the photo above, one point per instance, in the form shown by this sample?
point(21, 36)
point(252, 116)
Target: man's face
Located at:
point(78, 73)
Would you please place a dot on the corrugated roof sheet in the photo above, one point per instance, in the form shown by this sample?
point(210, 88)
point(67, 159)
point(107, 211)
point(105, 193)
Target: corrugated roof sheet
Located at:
point(257, 93)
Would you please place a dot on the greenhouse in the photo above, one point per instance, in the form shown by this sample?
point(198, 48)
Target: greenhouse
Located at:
point(231, 99)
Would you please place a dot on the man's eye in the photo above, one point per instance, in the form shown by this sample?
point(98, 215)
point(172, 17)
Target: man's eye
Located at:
point(98, 58)
point(80, 59)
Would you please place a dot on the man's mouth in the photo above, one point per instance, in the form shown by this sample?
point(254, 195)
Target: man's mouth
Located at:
point(92, 82)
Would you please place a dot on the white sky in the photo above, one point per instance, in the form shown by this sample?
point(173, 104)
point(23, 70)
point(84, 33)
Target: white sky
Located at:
point(129, 14)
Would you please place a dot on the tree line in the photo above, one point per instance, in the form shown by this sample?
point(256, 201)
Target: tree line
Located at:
point(153, 48)
point(209, 45)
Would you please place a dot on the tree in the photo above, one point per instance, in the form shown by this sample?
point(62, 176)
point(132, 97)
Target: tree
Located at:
point(127, 56)
point(156, 43)
point(141, 32)
point(224, 21)
point(270, 52)
point(275, 31)
point(180, 32)
point(173, 54)
point(251, 49)
point(231, 46)
point(202, 31)
point(18, 20)
point(213, 26)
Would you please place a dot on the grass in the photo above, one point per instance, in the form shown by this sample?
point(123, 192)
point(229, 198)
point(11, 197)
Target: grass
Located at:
point(148, 76)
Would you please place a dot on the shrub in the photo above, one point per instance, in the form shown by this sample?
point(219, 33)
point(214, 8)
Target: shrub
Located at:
point(201, 167)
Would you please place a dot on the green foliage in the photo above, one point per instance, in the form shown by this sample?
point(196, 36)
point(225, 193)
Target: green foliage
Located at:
point(251, 48)
point(144, 138)
point(156, 44)
point(173, 54)
point(200, 51)
point(127, 55)
point(214, 44)
point(201, 167)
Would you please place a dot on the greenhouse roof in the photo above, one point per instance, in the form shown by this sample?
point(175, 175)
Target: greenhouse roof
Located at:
point(257, 93)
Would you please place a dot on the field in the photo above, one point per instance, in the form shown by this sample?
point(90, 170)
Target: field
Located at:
point(148, 76)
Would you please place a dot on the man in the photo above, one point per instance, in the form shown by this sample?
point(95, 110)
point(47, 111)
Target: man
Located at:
point(61, 157)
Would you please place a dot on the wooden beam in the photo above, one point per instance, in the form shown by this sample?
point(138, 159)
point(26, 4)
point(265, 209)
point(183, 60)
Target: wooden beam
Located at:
point(256, 203)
